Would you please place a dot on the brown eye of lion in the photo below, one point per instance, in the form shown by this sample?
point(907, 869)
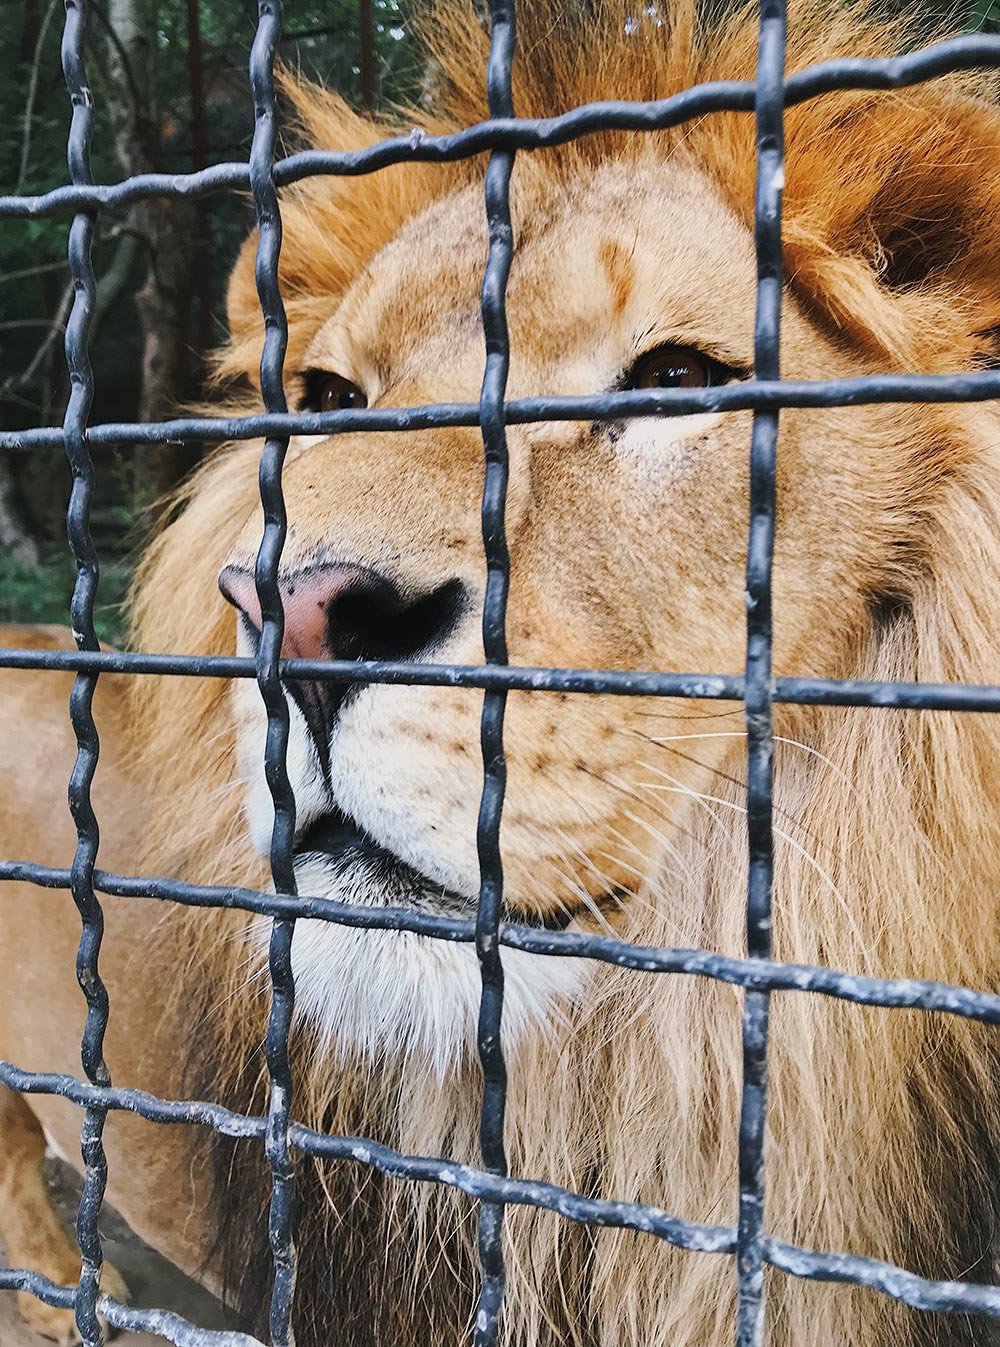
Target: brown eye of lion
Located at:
point(326, 392)
point(338, 393)
point(674, 367)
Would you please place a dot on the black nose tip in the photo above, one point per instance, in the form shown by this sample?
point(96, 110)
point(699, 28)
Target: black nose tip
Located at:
point(343, 611)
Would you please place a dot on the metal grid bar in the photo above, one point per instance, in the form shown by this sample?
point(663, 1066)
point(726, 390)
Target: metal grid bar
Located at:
point(866, 390)
point(81, 700)
point(770, 115)
point(609, 682)
point(755, 973)
point(970, 51)
point(494, 315)
point(265, 200)
point(758, 974)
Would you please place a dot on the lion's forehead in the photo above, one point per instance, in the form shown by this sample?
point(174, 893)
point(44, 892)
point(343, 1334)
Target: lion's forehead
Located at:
point(601, 263)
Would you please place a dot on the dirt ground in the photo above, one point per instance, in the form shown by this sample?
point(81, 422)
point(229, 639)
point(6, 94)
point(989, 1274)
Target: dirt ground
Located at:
point(152, 1281)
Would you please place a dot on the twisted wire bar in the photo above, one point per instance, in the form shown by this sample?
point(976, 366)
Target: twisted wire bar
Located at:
point(125, 1318)
point(918, 1292)
point(758, 974)
point(494, 316)
point(754, 394)
point(81, 233)
point(757, 688)
point(947, 1296)
point(969, 51)
point(265, 198)
point(966, 697)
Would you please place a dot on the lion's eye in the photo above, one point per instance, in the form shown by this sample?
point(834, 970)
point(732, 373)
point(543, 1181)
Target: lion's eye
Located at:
point(326, 392)
point(677, 367)
point(338, 393)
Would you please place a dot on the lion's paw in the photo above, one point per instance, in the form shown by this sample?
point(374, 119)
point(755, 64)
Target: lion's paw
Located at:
point(49, 1322)
point(60, 1326)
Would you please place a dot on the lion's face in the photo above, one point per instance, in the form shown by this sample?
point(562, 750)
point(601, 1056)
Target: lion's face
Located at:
point(627, 545)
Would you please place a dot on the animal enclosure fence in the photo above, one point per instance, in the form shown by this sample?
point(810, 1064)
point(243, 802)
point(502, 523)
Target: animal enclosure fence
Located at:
point(503, 136)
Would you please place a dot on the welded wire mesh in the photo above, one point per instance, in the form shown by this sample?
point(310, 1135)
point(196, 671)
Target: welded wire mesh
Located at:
point(503, 135)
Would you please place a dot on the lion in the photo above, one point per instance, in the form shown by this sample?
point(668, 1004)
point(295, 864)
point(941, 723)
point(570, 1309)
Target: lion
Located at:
point(634, 267)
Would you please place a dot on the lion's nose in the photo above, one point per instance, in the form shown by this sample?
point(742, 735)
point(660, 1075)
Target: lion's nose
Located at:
point(345, 611)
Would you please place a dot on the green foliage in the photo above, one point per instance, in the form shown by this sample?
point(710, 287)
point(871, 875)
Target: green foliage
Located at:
point(42, 594)
point(984, 16)
point(321, 40)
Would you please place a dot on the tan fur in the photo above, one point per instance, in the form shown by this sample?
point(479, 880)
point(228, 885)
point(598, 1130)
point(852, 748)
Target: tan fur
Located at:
point(33, 1236)
point(625, 552)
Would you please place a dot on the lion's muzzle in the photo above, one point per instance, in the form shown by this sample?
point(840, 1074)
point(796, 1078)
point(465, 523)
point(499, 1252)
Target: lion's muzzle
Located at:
point(344, 611)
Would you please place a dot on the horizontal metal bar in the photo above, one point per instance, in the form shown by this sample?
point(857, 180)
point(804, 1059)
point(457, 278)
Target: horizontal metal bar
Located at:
point(593, 1211)
point(901, 696)
point(619, 682)
point(752, 974)
point(126, 1318)
point(984, 698)
point(751, 395)
point(362, 1150)
point(271, 905)
point(923, 1293)
point(968, 51)
point(186, 1112)
point(760, 974)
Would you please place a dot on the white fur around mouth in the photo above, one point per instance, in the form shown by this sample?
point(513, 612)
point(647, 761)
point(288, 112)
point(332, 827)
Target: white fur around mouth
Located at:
point(373, 995)
point(367, 871)
point(357, 862)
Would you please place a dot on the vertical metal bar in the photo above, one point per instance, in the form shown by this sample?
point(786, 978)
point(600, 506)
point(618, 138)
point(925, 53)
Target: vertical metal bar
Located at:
point(491, 411)
point(265, 197)
point(760, 737)
point(81, 700)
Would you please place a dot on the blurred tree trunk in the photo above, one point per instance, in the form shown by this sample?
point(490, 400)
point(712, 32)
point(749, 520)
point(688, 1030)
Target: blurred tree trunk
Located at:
point(15, 539)
point(199, 160)
point(163, 302)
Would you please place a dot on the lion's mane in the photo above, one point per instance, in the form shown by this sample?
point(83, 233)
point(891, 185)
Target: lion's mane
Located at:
point(883, 1125)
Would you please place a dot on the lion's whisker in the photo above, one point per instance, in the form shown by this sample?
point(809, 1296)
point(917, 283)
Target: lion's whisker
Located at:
point(741, 734)
point(778, 832)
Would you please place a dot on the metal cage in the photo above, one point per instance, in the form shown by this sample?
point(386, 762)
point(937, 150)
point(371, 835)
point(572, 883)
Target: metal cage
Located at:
point(503, 135)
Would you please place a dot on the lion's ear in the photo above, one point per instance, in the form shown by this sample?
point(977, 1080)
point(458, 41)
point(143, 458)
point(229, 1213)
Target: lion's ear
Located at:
point(332, 226)
point(894, 223)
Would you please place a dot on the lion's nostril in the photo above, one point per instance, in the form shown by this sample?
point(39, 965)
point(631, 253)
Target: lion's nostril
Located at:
point(239, 587)
point(375, 621)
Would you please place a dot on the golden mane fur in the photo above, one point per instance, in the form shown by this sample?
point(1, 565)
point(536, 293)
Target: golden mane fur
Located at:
point(892, 242)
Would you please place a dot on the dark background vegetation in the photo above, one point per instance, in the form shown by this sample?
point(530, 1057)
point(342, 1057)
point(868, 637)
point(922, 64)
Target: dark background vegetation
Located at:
point(170, 90)
point(170, 94)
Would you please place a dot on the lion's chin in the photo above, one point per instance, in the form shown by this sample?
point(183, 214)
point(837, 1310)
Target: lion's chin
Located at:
point(383, 995)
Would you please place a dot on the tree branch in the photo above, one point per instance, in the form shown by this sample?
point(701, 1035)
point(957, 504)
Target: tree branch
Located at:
point(25, 273)
point(110, 288)
point(15, 381)
point(29, 103)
